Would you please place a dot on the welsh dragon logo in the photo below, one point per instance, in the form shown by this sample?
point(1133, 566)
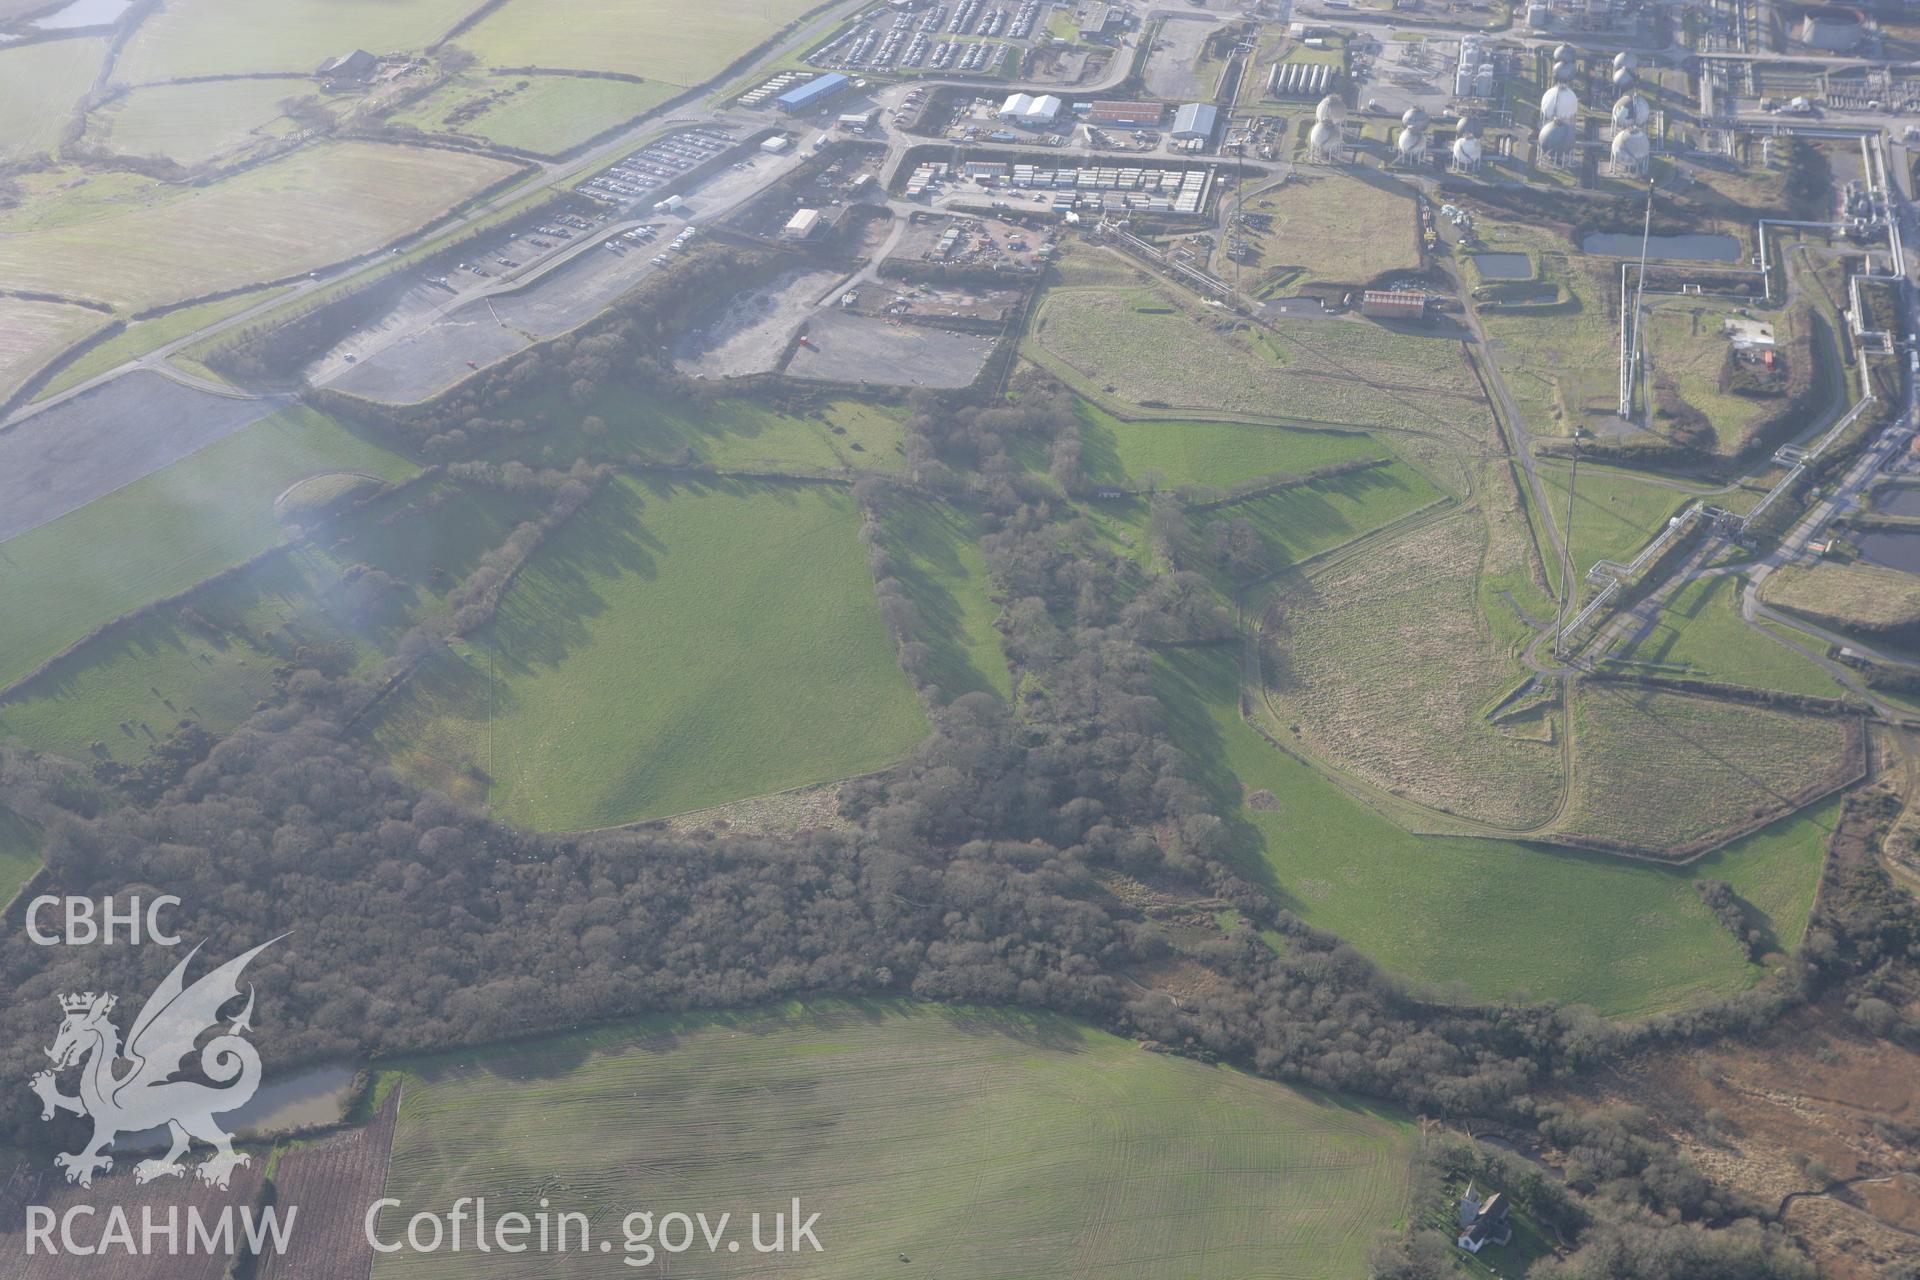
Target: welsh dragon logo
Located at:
point(145, 1095)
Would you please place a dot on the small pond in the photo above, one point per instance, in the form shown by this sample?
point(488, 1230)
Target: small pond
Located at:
point(83, 13)
point(1889, 549)
point(1697, 247)
point(1898, 500)
point(1504, 266)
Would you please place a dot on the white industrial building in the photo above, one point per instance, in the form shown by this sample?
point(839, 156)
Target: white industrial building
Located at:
point(1195, 122)
point(801, 225)
point(1030, 110)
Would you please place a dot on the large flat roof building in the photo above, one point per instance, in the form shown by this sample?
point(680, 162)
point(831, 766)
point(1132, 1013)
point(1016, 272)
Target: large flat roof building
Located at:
point(1196, 120)
point(1393, 304)
point(1031, 110)
point(1125, 115)
point(812, 93)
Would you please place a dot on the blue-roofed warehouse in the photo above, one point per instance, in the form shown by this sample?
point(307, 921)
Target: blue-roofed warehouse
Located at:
point(812, 93)
point(1196, 120)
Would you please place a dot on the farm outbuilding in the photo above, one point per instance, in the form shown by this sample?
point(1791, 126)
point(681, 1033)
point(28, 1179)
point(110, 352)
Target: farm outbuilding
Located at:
point(357, 65)
point(1195, 121)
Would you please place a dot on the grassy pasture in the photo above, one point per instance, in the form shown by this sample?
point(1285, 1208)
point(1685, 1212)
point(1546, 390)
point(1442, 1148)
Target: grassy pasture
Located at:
point(142, 336)
point(1295, 523)
point(194, 123)
point(129, 687)
point(1387, 666)
point(162, 534)
point(1219, 454)
point(1351, 373)
point(314, 207)
point(1685, 344)
point(218, 37)
point(907, 1127)
point(938, 561)
point(33, 332)
point(733, 434)
point(672, 647)
point(1328, 225)
point(1561, 360)
point(1660, 770)
point(1615, 513)
point(652, 39)
point(40, 85)
point(1486, 918)
point(1702, 631)
point(1846, 595)
point(543, 114)
point(19, 853)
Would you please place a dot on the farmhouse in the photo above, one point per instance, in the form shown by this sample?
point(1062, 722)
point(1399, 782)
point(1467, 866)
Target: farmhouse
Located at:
point(1393, 304)
point(357, 65)
point(1483, 1222)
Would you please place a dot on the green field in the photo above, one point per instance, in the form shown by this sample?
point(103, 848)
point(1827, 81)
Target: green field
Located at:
point(1662, 771)
point(19, 853)
point(161, 535)
point(142, 336)
point(976, 1142)
point(40, 85)
point(1847, 596)
point(314, 207)
point(731, 434)
point(652, 40)
point(33, 333)
point(937, 560)
point(1135, 344)
point(194, 123)
point(538, 113)
point(220, 37)
point(1615, 513)
point(1496, 917)
point(1560, 361)
point(1114, 451)
point(672, 647)
point(1298, 522)
point(1701, 630)
point(1385, 664)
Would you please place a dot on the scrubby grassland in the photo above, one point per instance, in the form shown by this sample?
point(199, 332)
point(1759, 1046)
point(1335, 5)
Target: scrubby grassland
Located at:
point(1302, 521)
point(671, 647)
point(1862, 596)
point(1136, 344)
point(1560, 360)
point(1669, 772)
point(936, 558)
point(1685, 345)
point(1702, 633)
point(539, 113)
point(32, 333)
point(1615, 513)
point(193, 123)
point(224, 37)
point(40, 85)
point(1329, 225)
point(653, 40)
point(213, 659)
point(142, 336)
point(161, 535)
point(1388, 668)
point(19, 853)
point(734, 434)
point(908, 1127)
point(1114, 451)
point(314, 207)
point(1486, 917)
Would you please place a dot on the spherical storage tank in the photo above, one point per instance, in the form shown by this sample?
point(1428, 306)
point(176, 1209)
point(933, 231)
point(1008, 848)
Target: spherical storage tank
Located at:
point(1324, 136)
point(1631, 147)
point(1563, 53)
point(1556, 139)
point(1466, 151)
point(1559, 103)
point(1631, 111)
point(1469, 126)
point(1332, 110)
point(1411, 140)
point(1414, 118)
point(1623, 79)
point(1624, 61)
point(1562, 72)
